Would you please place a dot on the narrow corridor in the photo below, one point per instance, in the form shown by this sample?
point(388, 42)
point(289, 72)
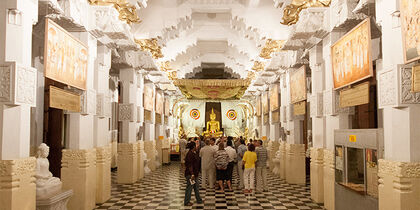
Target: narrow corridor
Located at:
point(164, 189)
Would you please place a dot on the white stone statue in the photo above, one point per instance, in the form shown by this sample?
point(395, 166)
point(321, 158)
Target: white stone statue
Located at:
point(46, 184)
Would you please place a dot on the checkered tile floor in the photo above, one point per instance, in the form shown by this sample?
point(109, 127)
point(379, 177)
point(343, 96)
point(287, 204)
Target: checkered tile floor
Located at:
point(164, 189)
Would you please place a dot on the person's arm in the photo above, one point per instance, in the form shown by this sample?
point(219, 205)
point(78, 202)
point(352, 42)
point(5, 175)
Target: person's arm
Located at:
point(244, 158)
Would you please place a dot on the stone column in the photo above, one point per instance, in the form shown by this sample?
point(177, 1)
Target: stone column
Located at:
point(295, 150)
point(150, 136)
point(140, 159)
point(318, 123)
point(127, 149)
point(17, 96)
point(335, 118)
point(101, 124)
point(78, 169)
point(282, 168)
point(399, 170)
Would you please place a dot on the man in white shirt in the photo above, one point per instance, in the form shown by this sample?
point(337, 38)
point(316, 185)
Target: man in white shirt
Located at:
point(208, 167)
point(182, 148)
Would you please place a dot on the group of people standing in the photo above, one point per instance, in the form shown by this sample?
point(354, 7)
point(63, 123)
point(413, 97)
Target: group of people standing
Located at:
point(218, 158)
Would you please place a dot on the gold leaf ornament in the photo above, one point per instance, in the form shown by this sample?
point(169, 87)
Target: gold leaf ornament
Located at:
point(127, 12)
point(150, 45)
point(291, 12)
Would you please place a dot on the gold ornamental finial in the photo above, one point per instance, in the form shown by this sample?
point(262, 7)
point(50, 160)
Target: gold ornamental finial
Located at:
point(291, 12)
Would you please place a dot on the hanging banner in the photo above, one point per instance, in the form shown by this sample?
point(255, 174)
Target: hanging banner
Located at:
point(65, 57)
point(65, 100)
point(355, 96)
point(298, 85)
point(351, 56)
point(410, 16)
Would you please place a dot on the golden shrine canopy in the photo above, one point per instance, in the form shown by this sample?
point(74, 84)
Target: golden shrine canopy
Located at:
point(213, 88)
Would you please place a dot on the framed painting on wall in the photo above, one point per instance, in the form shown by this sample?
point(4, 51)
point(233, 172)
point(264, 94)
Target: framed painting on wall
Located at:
point(264, 100)
point(298, 85)
point(351, 56)
point(159, 103)
point(148, 98)
point(410, 28)
point(274, 97)
point(65, 57)
point(258, 106)
point(167, 107)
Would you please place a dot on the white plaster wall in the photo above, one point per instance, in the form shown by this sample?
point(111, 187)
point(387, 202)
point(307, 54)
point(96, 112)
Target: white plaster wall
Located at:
point(15, 139)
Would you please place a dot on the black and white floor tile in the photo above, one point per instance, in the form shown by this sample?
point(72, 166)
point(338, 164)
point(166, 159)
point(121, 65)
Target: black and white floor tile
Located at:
point(164, 189)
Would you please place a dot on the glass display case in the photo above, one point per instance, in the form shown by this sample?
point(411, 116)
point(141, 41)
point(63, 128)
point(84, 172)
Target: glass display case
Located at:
point(356, 163)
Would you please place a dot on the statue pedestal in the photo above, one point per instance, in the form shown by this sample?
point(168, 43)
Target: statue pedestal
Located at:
point(55, 202)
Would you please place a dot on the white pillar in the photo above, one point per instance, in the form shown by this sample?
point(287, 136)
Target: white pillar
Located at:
point(16, 20)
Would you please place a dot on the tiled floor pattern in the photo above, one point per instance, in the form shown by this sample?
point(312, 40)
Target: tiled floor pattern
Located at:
point(165, 188)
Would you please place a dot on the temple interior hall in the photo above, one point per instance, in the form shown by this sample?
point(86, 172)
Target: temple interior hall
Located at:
point(210, 104)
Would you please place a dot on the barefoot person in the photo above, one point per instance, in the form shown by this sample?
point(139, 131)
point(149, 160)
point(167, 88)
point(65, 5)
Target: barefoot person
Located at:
point(192, 168)
point(249, 173)
point(221, 158)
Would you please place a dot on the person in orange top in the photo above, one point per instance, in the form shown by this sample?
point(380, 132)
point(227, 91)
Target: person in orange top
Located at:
point(249, 159)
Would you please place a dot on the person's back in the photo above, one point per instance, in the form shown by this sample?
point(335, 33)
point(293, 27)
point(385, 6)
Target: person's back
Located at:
point(221, 159)
point(261, 156)
point(206, 154)
point(250, 158)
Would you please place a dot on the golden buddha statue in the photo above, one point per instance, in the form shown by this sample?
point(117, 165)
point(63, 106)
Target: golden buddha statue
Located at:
point(213, 126)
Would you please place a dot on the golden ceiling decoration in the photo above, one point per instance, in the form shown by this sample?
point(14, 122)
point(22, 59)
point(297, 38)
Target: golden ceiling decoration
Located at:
point(258, 66)
point(212, 88)
point(292, 11)
point(270, 47)
point(250, 76)
point(127, 11)
point(150, 45)
point(165, 66)
point(172, 75)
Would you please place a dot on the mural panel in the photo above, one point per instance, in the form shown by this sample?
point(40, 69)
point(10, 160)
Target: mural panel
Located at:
point(65, 57)
point(258, 106)
point(351, 56)
point(410, 25)
point(264, 100)
point(167, 108)
point(159, 103)
point(148, 98)
point(298, 85)
point(274, 97)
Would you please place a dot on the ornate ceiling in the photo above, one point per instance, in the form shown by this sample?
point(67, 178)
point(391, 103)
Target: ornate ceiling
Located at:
point(170, 40)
